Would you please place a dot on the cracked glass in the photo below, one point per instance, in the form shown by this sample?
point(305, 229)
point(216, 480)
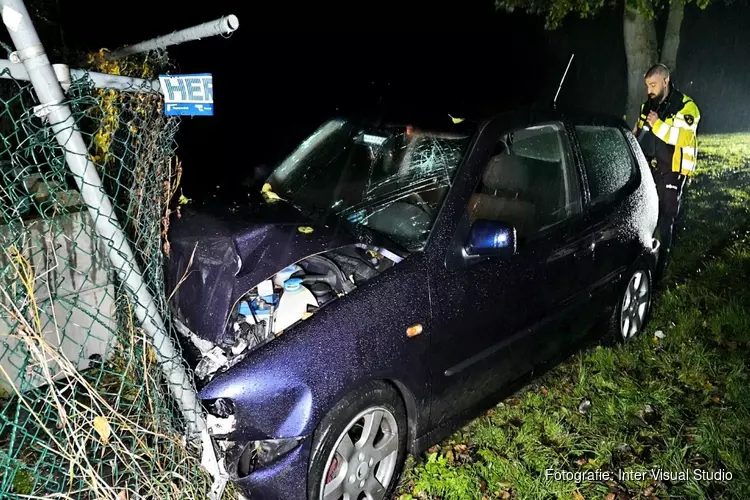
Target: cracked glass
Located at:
point(392, 179)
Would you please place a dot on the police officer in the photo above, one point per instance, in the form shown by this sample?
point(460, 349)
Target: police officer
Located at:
point(666, 132)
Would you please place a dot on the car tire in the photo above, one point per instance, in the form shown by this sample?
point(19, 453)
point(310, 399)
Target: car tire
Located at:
point(633, 309)
point(349, 457)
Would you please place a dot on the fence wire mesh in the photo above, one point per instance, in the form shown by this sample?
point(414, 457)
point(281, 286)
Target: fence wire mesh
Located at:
point(84, 409)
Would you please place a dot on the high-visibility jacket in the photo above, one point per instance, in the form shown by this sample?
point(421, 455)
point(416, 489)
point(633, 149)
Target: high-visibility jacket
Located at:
point(676, 143)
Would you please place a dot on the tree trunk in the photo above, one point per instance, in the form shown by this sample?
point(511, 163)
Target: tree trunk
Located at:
point(639, 33)
point(672, 36)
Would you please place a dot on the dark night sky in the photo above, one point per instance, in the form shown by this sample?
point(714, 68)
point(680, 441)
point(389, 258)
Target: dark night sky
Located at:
point(289, 66)
point(278, 77)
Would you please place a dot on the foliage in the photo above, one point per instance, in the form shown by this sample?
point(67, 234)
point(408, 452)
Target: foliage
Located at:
point(107, 114)
point(555, 11)
point(23, 481)
point(673, 401)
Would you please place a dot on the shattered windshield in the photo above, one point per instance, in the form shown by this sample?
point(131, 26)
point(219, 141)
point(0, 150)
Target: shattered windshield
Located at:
point(390, 179)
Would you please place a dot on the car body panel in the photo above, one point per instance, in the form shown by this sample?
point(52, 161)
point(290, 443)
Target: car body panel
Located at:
point(621, 230)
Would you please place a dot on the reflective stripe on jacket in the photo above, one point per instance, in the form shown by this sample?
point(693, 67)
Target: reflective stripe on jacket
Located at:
point(676, 130)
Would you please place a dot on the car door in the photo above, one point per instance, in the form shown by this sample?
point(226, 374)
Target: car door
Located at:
point(490, 314)
point(611, 173)
point(565, 247)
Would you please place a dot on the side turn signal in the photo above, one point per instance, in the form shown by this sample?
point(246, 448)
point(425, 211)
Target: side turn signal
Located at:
point(414, 330)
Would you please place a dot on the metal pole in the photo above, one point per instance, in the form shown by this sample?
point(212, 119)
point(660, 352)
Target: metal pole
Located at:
point(66, 75)
point(50, 95)
point(223, 26)
point(554, 101)
point(116, 82)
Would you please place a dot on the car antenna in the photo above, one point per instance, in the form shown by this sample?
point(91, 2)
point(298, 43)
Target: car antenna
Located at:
point(554, 101)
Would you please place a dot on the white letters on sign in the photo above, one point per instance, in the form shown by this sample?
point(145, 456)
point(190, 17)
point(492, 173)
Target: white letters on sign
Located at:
point(188, 94)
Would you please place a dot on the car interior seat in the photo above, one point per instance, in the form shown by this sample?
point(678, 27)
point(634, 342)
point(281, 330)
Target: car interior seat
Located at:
point(506, 194)
point(547, 190)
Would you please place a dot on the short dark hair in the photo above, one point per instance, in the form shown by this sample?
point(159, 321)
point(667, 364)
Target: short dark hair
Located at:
point(657, 69)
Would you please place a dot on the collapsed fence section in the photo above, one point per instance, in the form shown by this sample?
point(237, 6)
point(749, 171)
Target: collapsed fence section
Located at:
point(85, 410)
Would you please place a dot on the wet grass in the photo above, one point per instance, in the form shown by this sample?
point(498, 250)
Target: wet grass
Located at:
point(676, 399)
point(717, 205)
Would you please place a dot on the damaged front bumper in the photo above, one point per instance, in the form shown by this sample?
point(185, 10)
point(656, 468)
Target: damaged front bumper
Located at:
point(270, 469)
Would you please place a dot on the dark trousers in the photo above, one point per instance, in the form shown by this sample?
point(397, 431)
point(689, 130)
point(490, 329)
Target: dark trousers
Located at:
point(670, 186)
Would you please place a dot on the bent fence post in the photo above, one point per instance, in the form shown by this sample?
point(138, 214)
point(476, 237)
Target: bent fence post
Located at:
point(50, 95)
point(66, 75)
point(222, 26)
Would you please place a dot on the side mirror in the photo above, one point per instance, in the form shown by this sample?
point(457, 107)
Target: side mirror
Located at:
point(490, 238)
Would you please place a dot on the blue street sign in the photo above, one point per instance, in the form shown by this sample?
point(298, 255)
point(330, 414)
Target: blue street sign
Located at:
point(188, 95)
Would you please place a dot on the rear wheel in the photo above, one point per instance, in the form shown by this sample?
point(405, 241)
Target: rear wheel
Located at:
point(359, 447)
point(634, 307)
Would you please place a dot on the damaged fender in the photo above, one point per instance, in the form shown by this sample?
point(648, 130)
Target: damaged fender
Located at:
point(252, 390)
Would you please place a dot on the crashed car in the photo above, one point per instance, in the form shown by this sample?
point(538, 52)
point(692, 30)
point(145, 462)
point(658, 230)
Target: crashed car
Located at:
point(396, 277)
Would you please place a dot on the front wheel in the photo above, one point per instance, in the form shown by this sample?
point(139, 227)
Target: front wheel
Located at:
point(359, 447)
point(634, 307)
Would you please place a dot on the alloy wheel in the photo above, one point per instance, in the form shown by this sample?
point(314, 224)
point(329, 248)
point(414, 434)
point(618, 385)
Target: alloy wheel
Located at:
point(635, 305)
point(364, 458)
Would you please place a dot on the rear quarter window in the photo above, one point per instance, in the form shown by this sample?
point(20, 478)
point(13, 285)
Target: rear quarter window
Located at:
point(610, 165)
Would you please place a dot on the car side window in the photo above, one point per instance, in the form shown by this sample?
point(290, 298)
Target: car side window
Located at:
point(609, 162)
point(531, 182)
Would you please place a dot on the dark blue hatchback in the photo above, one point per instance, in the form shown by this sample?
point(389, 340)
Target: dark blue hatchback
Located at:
point(395, 278)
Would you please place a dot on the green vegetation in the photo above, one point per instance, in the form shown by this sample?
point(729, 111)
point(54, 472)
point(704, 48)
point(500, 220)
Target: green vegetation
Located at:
point(23, 481)
point(676, 399)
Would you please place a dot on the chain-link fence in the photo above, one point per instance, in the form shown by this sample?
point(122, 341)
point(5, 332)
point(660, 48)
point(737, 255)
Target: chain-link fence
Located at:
point(85, 411)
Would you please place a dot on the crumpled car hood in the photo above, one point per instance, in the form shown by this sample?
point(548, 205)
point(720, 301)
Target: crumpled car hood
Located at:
point(232, 251)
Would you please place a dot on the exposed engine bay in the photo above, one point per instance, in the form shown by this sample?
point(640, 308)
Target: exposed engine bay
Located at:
point(291, 295)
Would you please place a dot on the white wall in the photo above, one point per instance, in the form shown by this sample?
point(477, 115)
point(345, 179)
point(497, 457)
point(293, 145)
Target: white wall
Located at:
point(70, 265)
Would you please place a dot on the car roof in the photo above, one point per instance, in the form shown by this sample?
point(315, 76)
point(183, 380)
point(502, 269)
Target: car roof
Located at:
point(544, 112)
point(437, 121)
point(583, 117)
point(469, 121)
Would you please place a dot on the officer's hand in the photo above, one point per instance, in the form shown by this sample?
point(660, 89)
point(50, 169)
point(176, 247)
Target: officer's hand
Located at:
point(652, 117)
